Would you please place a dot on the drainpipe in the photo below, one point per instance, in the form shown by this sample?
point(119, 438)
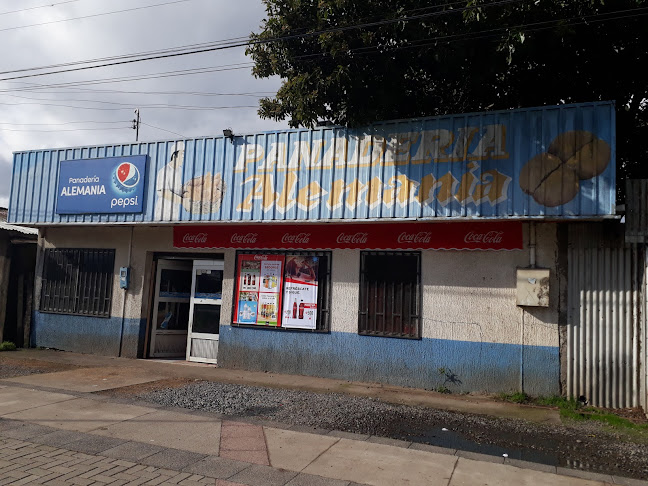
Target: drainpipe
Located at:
point(123, 322)
point(532, 264)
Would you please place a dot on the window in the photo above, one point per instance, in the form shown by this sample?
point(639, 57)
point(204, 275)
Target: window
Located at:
point(323, 279)
point(390, 295)
point(77, 281)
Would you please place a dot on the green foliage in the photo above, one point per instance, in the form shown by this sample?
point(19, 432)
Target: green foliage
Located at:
point(7, 346)
point(516, 397)
point(417, 58)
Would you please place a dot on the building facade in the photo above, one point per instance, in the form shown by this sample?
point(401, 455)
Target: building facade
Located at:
point(430, 253)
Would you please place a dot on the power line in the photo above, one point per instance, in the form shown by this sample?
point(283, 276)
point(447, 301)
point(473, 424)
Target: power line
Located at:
point(40, 6)
point(156, 106)
point(163, 129)
point(166, 74)
point(59, 124)
point(64, 130)
point(253, 94)
point(94, 15)
point(260, 41)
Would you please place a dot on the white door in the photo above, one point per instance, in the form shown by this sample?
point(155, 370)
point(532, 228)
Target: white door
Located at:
point(204, 310)
point(171, 309)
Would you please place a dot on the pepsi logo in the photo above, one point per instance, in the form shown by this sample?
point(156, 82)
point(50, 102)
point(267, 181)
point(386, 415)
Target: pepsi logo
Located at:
point(127, 175)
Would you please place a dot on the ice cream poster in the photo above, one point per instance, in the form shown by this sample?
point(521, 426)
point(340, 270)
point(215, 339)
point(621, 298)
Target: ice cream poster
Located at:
point(300, 292)
point(258, 294)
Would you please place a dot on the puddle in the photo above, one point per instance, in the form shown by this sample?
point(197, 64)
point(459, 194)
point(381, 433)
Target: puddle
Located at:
point(454, 440)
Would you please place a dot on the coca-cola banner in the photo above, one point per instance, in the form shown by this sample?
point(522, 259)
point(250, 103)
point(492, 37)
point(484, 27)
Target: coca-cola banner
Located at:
point(490, 235)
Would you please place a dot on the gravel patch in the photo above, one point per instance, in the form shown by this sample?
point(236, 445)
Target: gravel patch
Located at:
point(585, 446)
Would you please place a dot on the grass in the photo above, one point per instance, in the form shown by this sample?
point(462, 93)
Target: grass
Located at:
point(571, 409)
point(7, 346)
point(516, 397)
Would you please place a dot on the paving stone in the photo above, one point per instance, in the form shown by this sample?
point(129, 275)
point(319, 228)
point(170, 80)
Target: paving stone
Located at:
point(26, 431)
point(58, 438)
point(387, 441)
point(310, 430)
point(311, 480)
point(172, 459)
point(434, 449)
point(217, 467)
point(577, 473)
point(629, 481)
point(536, 466)
point(258, 475)
point(93, 444)
point(6, 424)
point(132, 451)
point(476, 456)
point(348, 435)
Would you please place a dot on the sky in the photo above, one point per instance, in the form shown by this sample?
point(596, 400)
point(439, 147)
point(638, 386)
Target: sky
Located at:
point(37, 33)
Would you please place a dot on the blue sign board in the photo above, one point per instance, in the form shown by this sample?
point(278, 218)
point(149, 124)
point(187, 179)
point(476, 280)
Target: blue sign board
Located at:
point(102, 186)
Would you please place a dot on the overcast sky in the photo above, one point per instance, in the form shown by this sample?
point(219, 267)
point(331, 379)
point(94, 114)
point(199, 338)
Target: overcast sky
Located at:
point(108, 114)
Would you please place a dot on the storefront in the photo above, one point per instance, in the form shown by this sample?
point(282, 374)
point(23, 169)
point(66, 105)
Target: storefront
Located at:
point(427, 253)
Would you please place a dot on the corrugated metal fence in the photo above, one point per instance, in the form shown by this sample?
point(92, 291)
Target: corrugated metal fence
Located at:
point(603, 335)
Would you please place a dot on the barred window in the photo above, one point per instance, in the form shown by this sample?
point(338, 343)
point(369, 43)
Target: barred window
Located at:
point(77, 281)
point(390, 294)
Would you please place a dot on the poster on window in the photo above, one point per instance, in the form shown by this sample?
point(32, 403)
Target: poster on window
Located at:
point(258, 294)
point(300, 292)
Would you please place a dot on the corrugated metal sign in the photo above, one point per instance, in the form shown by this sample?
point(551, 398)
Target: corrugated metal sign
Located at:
point(556, 162)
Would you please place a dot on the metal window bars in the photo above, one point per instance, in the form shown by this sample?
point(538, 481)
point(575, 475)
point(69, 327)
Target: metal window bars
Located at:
point(390, 294)
point(77, 281)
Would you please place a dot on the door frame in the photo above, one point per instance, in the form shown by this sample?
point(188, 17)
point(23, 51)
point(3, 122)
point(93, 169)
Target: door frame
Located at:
point(207, 265)
point(165, 264)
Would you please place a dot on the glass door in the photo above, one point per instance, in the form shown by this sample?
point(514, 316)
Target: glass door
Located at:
point(171, 309)
point(204, 310)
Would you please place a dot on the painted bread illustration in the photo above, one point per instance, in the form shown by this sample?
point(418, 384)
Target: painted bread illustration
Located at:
point(203, 195)
point(552, 178)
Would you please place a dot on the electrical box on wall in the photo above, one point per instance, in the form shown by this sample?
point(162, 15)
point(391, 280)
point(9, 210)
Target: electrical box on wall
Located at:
point(124, 277)
point(533, 287)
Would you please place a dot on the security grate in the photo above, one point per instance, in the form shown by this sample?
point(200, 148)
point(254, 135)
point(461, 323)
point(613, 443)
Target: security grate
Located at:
point(77, 281)
point(390, 294)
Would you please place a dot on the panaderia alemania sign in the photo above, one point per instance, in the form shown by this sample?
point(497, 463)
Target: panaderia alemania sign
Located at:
point(554, 162)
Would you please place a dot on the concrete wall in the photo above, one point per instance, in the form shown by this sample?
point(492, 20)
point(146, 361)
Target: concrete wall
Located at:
point(472, 327)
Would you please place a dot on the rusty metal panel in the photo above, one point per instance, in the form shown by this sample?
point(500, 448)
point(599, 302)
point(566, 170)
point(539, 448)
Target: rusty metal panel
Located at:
point(636, 214)
point(603, 335)
point(554, 162)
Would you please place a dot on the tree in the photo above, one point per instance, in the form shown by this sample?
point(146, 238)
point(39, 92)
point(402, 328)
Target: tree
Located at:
point(354, 62)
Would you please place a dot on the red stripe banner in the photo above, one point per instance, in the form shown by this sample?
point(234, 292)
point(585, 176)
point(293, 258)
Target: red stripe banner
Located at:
point(487, 235)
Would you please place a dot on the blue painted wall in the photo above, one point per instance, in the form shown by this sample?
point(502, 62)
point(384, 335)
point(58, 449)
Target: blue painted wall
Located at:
point(90, 335)
point(489, 367)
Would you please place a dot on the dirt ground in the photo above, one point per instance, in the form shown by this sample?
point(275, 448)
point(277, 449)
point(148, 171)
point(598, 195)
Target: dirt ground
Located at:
point(10, 367)
point(583, 445)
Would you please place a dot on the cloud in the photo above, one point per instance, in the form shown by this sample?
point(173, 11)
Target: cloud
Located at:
point(192, 22)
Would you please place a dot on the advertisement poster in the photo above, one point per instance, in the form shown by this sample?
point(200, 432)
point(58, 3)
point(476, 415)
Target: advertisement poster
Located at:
point(259, 290)
point(300, 294)
point(103, 186)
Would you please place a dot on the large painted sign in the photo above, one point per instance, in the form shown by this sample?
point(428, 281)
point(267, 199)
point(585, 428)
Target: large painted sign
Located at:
point(556, 162)
point(103, 186)
point(492, 235)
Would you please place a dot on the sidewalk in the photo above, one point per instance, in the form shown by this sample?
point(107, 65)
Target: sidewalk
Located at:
point(54, 431)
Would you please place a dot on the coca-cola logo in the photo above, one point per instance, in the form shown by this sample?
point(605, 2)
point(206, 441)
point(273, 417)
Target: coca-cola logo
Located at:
point(420, 237)
point(487, 237)
point(194, 238)
point(296, 238)
point(244, 238)
point(355, 238)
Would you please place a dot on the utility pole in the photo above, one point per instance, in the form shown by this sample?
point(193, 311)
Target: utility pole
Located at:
point(136, 124)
